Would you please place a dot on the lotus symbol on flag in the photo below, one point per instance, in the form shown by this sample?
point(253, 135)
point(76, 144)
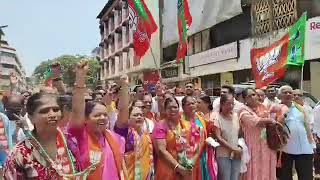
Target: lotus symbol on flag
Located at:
point(133, 19)
point(134, 23)
point(266, 61)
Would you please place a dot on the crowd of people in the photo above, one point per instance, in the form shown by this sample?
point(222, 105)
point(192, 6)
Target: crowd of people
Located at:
point(170, 134)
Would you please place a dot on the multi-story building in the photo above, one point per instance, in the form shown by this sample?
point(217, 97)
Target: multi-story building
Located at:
point(220, 54)
point(116, 47)
point(9, 62)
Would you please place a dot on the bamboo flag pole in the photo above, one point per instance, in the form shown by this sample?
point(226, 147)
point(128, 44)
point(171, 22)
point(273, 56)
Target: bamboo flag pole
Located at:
point(301, 80)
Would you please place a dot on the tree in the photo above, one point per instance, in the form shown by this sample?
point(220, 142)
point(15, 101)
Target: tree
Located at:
point(68, 63)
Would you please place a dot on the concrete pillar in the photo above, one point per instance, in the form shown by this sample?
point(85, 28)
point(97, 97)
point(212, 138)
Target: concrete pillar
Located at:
point(315, 78)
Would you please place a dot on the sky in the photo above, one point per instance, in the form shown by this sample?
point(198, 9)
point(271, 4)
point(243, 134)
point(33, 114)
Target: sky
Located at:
point(45, 29)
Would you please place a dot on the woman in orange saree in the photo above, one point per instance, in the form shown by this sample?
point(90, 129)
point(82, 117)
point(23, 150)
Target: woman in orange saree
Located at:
point(178, 144)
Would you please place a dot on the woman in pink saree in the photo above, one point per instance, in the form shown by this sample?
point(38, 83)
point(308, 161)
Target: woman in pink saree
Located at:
point(253, 118)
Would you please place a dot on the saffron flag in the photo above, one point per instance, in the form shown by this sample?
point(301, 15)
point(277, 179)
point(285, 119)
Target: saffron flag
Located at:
point(268, 63)
point(184, 22)
point(296, 44)
point(143, 26)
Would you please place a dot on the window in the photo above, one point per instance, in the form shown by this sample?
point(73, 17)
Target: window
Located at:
point(311, 6)
point(9, 66)
point(169, 53)
point(234, 29)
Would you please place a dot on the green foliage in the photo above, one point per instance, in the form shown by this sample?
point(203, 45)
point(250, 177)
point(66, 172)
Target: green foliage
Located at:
point(68, 63)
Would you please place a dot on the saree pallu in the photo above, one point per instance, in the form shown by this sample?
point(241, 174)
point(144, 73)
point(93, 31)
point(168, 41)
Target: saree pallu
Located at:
point(139, 162)
point(207, 168)
point(205, 165)
point(87, 149)
point(163, 170)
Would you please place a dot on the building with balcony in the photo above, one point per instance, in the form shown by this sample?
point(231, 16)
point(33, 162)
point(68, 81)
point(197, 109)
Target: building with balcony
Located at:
point(9, 62)
point(117, 55)
point(220, 54)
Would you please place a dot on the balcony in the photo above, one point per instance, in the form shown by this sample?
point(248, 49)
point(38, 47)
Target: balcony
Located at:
point(117, 18)
point(121, 62)
point(125, 12)
point(113, 66)
point(106, 29)
point(111, 24)
point(127, 60)
point(118, 41)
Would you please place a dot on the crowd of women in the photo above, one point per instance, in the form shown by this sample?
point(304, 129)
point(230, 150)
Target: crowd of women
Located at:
point(55, 135)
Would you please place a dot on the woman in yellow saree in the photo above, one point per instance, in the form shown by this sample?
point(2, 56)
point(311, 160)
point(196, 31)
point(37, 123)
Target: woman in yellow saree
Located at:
point(138, 149)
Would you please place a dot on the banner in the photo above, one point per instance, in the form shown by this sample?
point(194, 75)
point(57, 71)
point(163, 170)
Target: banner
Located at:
point(296, 45)
point(150, 79)
point(268, 63)
point(205, 14)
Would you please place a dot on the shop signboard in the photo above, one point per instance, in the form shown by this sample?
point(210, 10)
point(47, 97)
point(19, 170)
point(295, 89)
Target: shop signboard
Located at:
point(221, 53)
point(312, 40)
point(169, 72)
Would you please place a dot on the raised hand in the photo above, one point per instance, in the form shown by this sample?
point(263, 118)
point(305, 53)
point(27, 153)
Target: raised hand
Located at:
point(82, 68)
point(56, 69)
point(81, 72)
point(124, 80)
point(159, 89)
point(108, 97)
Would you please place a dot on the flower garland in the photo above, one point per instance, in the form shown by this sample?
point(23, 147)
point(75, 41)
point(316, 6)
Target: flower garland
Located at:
point(187, 145)
point(57, 166)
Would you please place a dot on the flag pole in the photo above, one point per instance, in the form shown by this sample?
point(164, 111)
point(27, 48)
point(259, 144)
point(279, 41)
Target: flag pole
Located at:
point(152, 53)
point(301, 80)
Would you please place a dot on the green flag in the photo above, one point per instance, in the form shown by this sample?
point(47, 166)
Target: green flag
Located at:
point(296, 43)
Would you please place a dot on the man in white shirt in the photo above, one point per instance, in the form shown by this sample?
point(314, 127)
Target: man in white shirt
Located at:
point(271, 98)
point(299, 148)
point(316, 117)
point(298, 98)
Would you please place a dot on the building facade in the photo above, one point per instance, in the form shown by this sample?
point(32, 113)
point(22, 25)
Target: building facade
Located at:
point(10, 62)
point(221, 54)
point(117, 55)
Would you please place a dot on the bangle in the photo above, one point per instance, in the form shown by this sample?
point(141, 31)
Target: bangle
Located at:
point(175, 168)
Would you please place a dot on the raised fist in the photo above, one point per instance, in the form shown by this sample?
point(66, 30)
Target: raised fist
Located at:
point(82, 69)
